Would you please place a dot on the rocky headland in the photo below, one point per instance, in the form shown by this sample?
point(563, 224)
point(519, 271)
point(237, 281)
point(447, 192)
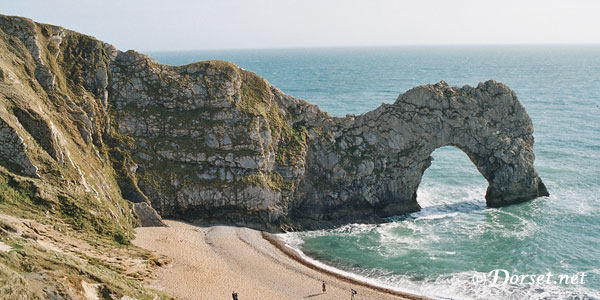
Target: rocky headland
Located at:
point(211, 141)
point(98, 141)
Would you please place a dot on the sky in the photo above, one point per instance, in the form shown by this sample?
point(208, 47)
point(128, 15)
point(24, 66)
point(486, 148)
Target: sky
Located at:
point(231, 24)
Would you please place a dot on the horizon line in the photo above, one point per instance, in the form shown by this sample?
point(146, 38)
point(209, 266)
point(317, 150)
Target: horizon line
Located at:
point(372, 46)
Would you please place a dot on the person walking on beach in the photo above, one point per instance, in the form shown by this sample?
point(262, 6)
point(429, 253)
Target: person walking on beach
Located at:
point(324, 287)
point(353, 293)
point(234, 295)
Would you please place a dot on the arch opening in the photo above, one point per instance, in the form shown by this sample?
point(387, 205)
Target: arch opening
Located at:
point(451, 179)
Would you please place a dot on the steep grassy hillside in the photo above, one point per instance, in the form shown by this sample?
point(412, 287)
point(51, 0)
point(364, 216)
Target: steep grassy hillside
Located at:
point(62, 213)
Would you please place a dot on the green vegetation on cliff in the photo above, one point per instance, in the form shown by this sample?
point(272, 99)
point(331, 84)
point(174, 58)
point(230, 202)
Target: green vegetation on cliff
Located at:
point(256, 99)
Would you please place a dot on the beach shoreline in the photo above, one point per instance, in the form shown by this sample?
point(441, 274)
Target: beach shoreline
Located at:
point(283, 247)
point(290, 252)
point(212, 261)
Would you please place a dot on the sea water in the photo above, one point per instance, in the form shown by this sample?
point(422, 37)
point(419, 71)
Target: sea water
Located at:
point(445, 249)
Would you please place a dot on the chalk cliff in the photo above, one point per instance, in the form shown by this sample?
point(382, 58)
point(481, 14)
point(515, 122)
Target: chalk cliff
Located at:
point(210, 141)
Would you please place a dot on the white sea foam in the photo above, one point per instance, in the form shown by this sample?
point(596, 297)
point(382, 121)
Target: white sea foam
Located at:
point(457, 286)
point(453, 209)
point(366, 279)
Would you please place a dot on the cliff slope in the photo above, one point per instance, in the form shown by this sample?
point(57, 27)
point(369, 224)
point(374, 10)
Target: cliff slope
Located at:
point(64, 225)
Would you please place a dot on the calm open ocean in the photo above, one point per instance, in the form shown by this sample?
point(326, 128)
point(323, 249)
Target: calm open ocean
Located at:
point(438, 251)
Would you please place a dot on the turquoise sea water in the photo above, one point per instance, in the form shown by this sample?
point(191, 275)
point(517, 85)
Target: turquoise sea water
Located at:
point(438, 251)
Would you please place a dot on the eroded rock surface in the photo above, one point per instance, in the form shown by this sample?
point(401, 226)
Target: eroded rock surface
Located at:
point(13, 152)
point(215, 142)
point(373, 163)
point(210, 141)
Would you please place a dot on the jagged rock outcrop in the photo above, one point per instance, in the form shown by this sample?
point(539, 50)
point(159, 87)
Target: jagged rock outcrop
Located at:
point(210, 141)
point(148, 216)
point(13, 152)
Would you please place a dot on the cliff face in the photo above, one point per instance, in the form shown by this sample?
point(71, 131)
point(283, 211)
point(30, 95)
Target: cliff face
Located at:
point(214, 142)
point(210, 141)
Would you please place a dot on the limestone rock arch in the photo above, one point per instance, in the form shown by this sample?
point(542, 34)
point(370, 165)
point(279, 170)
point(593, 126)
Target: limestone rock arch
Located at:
point(381, 156)
point(488, 124)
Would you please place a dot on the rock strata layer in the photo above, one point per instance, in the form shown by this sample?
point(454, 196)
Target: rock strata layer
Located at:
point(210, 141)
